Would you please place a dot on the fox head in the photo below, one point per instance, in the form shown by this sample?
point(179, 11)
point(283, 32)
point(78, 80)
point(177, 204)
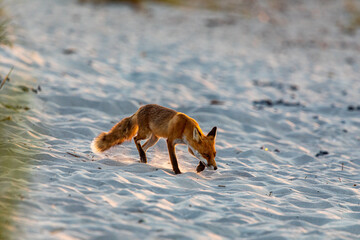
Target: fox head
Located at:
point(203, 147)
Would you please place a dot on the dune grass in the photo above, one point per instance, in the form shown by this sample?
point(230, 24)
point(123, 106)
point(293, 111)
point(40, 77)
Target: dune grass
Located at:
point(131, 2)
point(16, 149)
point(353, 9)
point(228, 5)
point(246, 8)
point(4, 24)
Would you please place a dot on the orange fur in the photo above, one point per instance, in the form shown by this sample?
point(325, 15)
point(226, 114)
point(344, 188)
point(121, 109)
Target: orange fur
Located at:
point(122, 131)
point(152, 122)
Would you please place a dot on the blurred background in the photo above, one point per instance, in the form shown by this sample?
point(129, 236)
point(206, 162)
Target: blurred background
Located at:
point(276, 75)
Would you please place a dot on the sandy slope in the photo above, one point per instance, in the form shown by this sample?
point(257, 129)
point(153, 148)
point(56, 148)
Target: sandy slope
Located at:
point(96, 65)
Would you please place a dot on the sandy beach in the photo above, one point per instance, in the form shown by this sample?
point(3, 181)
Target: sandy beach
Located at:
point(282, 84)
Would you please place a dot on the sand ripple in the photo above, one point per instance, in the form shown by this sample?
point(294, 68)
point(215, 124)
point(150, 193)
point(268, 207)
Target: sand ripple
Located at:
point(270, 184)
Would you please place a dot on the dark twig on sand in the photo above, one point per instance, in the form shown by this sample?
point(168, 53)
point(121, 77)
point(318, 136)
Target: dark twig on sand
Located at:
point(276, 85)
point(280, 102)
point(321, 153)
point(6, 77)
point(74, 155)
point(353, 108)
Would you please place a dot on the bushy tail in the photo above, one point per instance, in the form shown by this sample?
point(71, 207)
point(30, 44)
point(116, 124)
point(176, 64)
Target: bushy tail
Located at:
point(122, 131)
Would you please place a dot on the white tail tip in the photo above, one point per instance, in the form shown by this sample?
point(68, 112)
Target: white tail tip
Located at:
point(93, 146)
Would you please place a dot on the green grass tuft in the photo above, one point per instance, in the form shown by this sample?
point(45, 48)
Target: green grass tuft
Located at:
point(353, 10)
point(17, 148)
point(4, 25)
point(229, 5)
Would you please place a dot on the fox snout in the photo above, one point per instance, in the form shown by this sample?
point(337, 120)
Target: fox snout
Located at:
point(212, 166)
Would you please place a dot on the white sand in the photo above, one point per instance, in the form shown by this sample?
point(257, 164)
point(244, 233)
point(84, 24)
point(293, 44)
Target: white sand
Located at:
point(178, 58)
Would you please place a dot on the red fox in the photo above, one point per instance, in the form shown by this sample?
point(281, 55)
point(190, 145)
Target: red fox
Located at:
point(152, 122)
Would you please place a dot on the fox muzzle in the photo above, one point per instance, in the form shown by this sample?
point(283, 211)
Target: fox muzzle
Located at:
point(212, 166)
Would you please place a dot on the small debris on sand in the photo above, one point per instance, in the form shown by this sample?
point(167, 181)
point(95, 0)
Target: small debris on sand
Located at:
point(321, 153)
point(280, 102)
point(216, 102)
point(69, 51)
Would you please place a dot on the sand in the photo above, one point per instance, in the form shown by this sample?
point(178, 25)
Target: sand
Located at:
point(283, 88)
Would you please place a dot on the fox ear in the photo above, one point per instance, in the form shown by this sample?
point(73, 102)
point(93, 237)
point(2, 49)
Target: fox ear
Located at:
point(196, 134)
point(212, 133)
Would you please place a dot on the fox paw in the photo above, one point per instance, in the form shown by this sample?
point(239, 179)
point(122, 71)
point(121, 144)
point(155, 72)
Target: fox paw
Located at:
point(143, 160)
point(200, 167)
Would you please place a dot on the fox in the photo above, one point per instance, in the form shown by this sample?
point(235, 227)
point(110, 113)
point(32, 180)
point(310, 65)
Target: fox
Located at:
point(152, 122)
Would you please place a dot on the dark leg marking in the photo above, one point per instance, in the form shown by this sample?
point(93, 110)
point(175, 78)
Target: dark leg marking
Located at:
point(173, 159)
point(142, 154)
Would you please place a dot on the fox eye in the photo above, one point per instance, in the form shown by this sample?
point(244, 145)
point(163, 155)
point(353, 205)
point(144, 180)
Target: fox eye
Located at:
point(206, 155)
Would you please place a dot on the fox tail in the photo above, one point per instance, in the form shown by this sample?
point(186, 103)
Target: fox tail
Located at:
point(122, 131)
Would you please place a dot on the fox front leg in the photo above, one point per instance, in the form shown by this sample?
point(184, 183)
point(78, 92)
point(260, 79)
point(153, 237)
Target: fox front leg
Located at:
point(174, 163)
